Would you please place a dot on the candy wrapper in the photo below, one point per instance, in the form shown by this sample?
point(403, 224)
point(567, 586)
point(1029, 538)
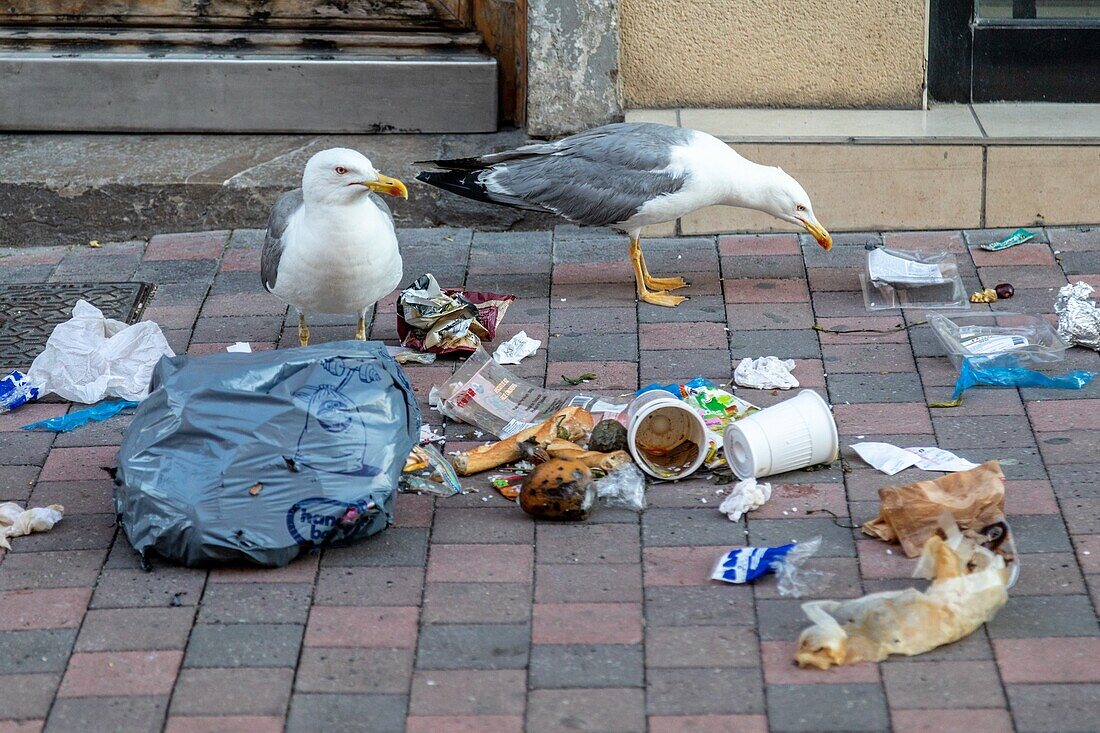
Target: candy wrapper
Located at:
point(447, 320)
point(15, 391)
point(746, 564)
point(1017, 237)
point(1078, 316)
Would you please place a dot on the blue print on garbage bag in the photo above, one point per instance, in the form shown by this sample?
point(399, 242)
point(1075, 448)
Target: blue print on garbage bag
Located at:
point(330, 410)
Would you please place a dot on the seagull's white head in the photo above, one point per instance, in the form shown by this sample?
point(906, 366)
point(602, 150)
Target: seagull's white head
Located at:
point(342, 175)
point(784, 198)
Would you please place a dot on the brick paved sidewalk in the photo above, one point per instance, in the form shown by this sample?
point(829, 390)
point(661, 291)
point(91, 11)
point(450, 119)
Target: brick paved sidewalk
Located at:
point(468, 616)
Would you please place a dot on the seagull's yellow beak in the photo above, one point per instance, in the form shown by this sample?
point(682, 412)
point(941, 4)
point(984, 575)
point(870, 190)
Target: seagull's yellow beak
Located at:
point(823, 237)
point(385, 184)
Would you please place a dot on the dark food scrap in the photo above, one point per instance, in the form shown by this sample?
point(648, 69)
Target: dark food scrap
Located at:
point(608, 436)
point(1004, 291)
point(559, 489)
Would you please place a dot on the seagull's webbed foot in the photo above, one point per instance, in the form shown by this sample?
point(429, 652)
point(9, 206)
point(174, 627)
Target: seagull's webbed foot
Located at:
point(361, 329)
point(303, 330)
point(652, 289)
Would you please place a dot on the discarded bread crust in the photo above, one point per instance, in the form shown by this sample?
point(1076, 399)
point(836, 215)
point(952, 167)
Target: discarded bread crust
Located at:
point(569, 424)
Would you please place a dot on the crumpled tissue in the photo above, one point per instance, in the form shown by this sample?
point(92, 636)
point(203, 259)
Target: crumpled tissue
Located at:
point(16, 521)
point(891, 459)
point(745, 496)
point(90, 357)
point(767, 372)
point(516, 349)
point(1078, 316)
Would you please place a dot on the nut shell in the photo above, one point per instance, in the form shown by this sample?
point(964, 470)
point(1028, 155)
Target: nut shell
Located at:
point(559, 489)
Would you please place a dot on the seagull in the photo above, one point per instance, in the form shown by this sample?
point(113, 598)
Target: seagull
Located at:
point(626, 176)
point(330, 245)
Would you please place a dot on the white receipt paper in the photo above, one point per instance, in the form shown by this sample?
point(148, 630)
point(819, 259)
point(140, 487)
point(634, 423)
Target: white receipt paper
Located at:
point(884, 267)
point(891, 459)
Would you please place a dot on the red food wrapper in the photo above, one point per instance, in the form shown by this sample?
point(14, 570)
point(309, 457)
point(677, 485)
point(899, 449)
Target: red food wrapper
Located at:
point(470, 318)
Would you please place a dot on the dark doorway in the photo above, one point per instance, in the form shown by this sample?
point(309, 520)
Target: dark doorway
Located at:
point(1014, 50)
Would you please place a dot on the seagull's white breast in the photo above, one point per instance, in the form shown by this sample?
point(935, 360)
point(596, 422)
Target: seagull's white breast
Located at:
point(338, 259)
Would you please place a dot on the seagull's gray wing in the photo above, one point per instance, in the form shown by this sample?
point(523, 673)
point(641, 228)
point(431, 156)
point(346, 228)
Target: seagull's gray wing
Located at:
point(381, 204)
point(598, 177)
point(280, 215)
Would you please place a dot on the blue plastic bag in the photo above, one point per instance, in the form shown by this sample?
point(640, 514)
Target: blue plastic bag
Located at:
point(676, 389)
point(15, 391)
point(1004, 370)
point(745, 564)
point(72, 421)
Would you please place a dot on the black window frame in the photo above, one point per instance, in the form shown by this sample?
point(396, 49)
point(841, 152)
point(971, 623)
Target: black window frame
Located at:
point(1002, 60)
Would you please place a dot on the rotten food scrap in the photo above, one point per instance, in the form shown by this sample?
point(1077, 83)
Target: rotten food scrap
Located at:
point(559, 489)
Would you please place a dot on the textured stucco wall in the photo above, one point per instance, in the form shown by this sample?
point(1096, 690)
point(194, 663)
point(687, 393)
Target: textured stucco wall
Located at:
point(572, 65)
point(782, 53)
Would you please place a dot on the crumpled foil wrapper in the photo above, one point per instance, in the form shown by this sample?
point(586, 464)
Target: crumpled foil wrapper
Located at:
point(1078, 317)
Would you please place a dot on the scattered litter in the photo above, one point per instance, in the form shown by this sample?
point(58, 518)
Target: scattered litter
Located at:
point(1078, 315)
point(745, 564)
point(325, 429)
point(1004, 291)
point(983, 296)
point(428, 472)
point(559, 489)
point(427, 435)
point(405, 355)
point(969, 585)
point(447, 321)
point(16, 390)
point(1017, 237)
point(579, 379)
point(516, 349)
point(891, 459)
point(793, 434)
point(1005, 370)
point(1027, 336)
point(623, 487)
point(508, 484)
point(666, 435)
point(15, 521)
point(486, 395)
point(767, 372)
point(73, 420)
point(910, 514)
point(568, 424)
point(901, 279)
point(608, 436)
point(94, 244)
point(90, 357)
point(744, 497)
point(240, 347)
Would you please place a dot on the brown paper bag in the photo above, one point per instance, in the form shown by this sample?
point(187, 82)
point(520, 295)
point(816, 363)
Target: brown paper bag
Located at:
point(910, 514)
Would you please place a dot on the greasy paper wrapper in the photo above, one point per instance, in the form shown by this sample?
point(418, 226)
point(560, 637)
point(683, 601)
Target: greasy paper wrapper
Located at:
point(910, 514)
point(969, 586)
point(1078, 316)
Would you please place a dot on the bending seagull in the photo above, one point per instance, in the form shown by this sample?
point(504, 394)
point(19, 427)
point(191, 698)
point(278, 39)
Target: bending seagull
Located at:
point(330, 245)
point(627, 176)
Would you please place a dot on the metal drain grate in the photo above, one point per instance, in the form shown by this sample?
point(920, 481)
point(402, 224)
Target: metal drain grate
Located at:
point(28, 313)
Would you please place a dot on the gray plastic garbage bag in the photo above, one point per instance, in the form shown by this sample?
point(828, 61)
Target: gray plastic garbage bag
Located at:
point(262, 456)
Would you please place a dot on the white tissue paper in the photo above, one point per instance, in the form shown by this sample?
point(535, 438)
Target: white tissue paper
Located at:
point(767, 372)
point(240, 347)
point(745, 496)
point(89, 357)
point(516, 349)
point(16, 522)
point(891, 459)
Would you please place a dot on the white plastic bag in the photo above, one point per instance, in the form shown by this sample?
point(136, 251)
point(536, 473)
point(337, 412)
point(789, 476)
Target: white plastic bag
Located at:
point(767, 372)
point(16, 521)
point(90, 357)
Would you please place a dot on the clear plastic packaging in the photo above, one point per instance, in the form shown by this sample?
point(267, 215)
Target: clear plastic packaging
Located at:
point(488, 396)
point(624, 487)
point(901, 279)
point(1027, 337)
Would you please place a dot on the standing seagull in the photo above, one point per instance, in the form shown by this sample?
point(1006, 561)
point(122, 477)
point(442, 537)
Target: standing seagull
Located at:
point(330, 245)
point(627, 176)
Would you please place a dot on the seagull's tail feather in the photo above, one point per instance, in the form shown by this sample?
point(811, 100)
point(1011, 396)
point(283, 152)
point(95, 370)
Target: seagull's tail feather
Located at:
point(456, 164)
point(469, 184)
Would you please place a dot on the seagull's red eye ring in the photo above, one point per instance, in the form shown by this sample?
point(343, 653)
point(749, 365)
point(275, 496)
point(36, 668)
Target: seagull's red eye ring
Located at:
point(341, 170)
point(800, 207)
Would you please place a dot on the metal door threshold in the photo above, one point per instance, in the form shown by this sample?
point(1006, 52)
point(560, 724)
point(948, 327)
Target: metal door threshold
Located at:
point(341, 93)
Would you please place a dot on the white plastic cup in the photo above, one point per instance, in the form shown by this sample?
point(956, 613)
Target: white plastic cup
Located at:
point(659, 421)
point(793, 434)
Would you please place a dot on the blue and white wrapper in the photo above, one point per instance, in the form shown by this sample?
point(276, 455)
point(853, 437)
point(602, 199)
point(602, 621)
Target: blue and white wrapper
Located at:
point(746, 564)
point(15, 390)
